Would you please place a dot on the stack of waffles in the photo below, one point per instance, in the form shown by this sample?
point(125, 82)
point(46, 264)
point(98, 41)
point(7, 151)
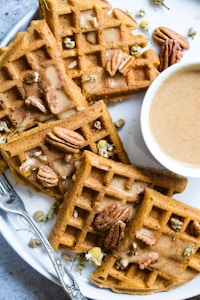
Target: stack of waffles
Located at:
point(151, 241)
point(98, 183)
point(160, 249)
point(57, 136)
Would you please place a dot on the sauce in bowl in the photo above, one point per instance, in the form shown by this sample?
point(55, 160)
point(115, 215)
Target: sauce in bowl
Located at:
point(170, 118)
point(174, 116)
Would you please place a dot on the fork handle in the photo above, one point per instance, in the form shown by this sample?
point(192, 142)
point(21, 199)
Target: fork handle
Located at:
point(68, 282)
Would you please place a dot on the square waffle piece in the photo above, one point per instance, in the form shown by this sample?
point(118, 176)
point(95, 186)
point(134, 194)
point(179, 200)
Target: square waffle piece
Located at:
point(98, 47)
point(34, 87)
point(46, 157)
point(99, 183)
point(160, 249)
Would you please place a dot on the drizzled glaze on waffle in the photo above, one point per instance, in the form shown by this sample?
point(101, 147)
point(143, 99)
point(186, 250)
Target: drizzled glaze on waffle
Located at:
point(54, 149)
point(98, 183)
point(34, 87)
point(166, 242)
point(95, 42)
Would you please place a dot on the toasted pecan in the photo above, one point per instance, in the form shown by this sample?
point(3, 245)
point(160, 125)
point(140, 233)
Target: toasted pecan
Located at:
point(65, 139)
point(161, 34)
point(111, 214)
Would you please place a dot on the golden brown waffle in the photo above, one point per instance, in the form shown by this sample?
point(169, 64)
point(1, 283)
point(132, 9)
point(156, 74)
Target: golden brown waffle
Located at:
point(59, 145)
point(160, 250)
point(34, 87)
point(96, 44)
point(99, 182)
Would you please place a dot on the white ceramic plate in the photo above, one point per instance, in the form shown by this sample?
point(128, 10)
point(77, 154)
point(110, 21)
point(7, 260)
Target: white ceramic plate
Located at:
point(182, 15)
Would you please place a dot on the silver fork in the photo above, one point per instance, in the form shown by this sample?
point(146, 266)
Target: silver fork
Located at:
point(11, 202)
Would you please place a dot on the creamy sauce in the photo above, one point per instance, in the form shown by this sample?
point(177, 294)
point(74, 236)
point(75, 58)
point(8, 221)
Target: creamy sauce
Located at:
point(112, 35)
point(175, 116)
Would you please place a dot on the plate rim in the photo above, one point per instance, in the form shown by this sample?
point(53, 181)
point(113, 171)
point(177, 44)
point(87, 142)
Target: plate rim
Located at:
point(23, 22)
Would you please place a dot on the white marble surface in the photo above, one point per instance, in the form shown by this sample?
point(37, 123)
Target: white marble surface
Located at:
point(18, 281)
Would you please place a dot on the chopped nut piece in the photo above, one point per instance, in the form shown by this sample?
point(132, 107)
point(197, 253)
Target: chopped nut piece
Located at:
point(39, 216)
point(93, 21)
point(119, 123)
point(36, 102)
point(122, 264)
point(31, 77)
point(27, 165)
point(47, 176)
point(95, 256)
point(192, 32)
point(75, 213)
point(136, 50)
point(176, 224)
point(133, 250)
point(72, 65)
point(3, 140)
point(90, 78)
point(151, 258)
point(104, 147)
point(69, 43)
point(146, 236)
point(66, 257)
point(97, 125)
point(4, 127)
point(80, 266)
point(141, 13)
point(34, 243)
point(53, 210)
point(190, 250)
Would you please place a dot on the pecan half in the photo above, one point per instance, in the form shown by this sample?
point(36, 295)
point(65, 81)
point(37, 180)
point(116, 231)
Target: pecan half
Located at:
point(150, 259)
point(47, 176)
point(170, 54)
point(115, 235)
point(172, 44)
point(65, 139)
point(161, 34)
point(146, 236)
point(115, 60)
point(111, 214)
point(195, 228)
point(126, 65)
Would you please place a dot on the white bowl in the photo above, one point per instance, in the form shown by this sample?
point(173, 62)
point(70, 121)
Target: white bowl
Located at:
point(173, 164)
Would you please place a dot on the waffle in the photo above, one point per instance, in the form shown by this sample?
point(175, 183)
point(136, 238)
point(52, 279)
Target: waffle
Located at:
point(96, 44)
point(165, 232)
point(34, 87)
point(61, 150)
point(99, 182)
